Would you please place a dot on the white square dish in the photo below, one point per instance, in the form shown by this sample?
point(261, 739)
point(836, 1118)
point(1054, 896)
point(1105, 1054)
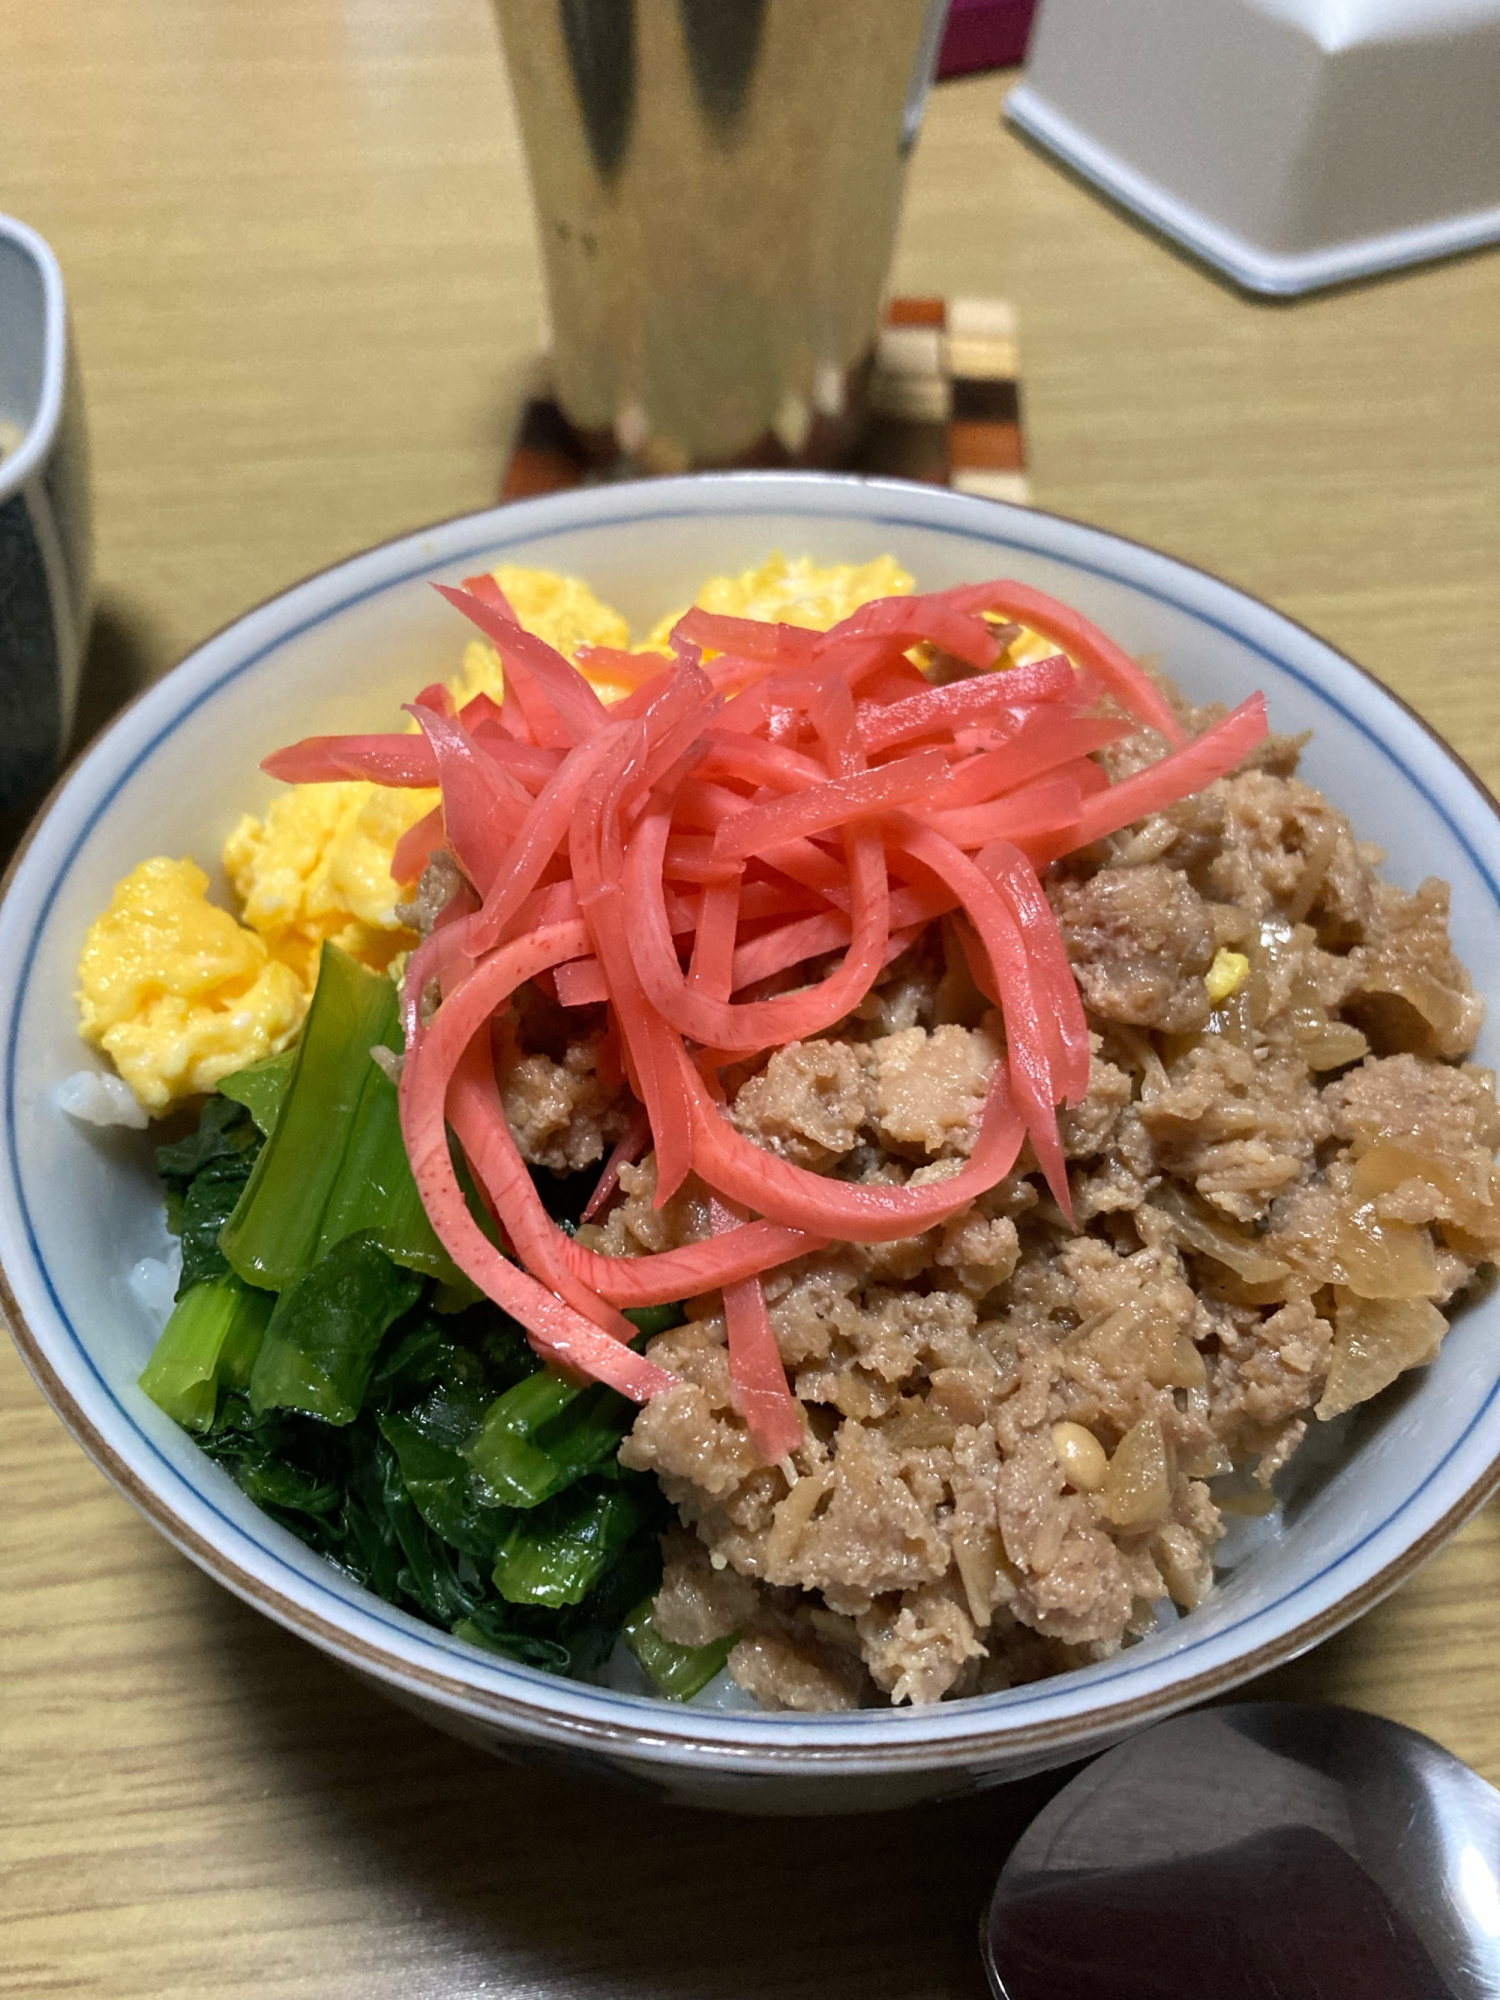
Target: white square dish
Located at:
point(1291, 143)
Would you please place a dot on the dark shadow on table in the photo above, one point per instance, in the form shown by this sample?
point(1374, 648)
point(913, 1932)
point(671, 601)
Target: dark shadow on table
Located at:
point(122, 651)
point(509, 1880)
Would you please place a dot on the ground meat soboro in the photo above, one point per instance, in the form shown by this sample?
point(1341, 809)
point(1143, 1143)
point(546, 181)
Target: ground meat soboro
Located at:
point(1283, 1175)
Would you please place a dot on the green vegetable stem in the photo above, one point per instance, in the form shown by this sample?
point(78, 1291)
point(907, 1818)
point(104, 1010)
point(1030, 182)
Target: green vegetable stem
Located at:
point(334, 1164)
point(543, 1434)
point(213, 1336)
point(677, 1672)
point(546, 1432)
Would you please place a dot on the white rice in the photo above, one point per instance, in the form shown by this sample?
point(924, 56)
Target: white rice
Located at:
point(94, 1099)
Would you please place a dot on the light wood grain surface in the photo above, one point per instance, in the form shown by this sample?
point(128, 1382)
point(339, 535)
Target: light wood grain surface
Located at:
point(301, 261)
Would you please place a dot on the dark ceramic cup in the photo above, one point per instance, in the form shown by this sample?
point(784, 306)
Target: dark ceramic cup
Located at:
point(44, 520)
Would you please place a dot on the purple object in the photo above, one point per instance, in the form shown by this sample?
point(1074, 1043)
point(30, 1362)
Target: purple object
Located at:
point(984, 34)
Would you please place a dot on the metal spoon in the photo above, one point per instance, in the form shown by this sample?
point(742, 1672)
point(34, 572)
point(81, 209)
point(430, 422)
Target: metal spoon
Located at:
point(1266, 1851)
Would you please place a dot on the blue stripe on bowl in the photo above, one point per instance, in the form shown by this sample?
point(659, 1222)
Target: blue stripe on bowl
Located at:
point(1101, 1680)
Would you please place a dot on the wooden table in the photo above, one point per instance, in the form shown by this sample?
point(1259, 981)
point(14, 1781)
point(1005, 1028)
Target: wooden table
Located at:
point(299, 249)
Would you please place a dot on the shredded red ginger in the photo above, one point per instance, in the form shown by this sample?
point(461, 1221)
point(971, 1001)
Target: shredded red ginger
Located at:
point(765, 797)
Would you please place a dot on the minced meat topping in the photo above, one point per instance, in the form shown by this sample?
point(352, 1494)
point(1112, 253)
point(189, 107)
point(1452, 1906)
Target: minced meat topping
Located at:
point(1012, 1428)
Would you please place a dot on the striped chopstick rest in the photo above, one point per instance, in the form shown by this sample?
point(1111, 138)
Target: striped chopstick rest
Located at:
point(943, 406)
point(945, 401)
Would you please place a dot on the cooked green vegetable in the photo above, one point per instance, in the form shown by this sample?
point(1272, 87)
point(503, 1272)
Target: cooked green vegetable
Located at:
point(272, 1237)
point(375, 1190)
point(428, 1351)
point(205, 1175)
point(543, 1434)
point(652, 1320)
point(262, 1087)
point(426, 1437)
point(554, 1554)
point(334, 1165)
point(428, 1454)
point(206, 1207)
point(224, 1133)
point(286, 1465)
point(579, 1636)
point(213, 1335)
point(546, 1432)
point(388, 1526)
point(677, 1672)
point(319, 1349)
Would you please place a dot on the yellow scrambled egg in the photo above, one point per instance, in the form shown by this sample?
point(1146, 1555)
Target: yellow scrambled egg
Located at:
point(176, 992)
point(793, 593)
point(319, 866)
point(560, 609)
point(179, 994)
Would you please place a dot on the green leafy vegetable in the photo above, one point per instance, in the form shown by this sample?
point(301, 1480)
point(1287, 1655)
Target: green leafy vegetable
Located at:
point(677, 1672)
point(205, 1208)
point(577, 1638)
point(334, 1165)
point(545, 1433)
point(262, 1087)
point(500, 1630)
point(289, 1466)
point(652, 1320)
point(556, 1553)
point(375, 1191)
point(443, 1489)
point(319, 1349)
point(205, 1176)
point(214, 1334)
point(406, 1434)
point(425, 1438)
point(429, 1572)
point(224, 1132)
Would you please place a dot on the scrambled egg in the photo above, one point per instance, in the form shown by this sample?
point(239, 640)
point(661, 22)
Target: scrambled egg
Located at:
point(176, 992)
point(793, 593)
point(319, 866)
point(560, 609)
point(179, 994)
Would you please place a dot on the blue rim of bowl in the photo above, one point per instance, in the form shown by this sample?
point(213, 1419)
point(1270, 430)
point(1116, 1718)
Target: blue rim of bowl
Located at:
point(632, 1732)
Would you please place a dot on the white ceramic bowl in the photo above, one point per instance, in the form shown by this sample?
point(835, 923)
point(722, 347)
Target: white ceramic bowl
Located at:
point(78, 1207)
